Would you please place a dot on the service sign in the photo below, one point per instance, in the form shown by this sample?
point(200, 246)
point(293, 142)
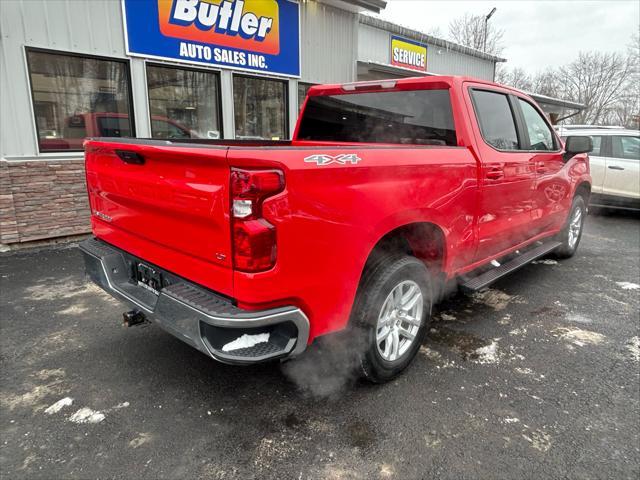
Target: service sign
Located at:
point(408, 54)
point(252, 35)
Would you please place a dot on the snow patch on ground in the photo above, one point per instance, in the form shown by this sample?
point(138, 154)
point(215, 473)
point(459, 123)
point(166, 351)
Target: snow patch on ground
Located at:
point(448, 317)
point(510, 420)
point(64, 288)
point(436, 357)
point(579, 337)
point(628, 285)
point(633, 346)
point(35, 397)
point(59, 405)
point(495, 299)
point(78, 309)
point(246, 341)
point(546, 261)
point(518, 331)
point(539, 440)
point(506, 320)
point(48, 373)
point(86, 415)
point(523, 371)
point(487, 354)
point(140, 440)
point(577, 318)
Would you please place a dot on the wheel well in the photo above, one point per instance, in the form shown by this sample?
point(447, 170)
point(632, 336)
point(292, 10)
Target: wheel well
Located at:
point(423, 240)
point(584, 190)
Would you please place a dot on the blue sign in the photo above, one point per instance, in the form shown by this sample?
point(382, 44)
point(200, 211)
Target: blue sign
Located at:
point(250, 35)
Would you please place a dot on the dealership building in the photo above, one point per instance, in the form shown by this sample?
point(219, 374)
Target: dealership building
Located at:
point(167, 69)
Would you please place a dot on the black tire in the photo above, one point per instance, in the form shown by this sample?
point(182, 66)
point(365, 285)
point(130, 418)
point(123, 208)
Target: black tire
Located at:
point(569, 248)
point(378, 283)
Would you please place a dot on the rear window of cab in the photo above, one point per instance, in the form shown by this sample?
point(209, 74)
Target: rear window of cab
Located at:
point(414, 117)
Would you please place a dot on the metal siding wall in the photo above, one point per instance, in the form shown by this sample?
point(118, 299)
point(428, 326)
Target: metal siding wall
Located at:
point(93, 27)
point(329, 39)
point(455, 63)
point(374, 46)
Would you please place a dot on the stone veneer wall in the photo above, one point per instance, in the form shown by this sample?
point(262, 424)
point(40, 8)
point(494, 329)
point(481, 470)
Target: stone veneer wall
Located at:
point(42, 199)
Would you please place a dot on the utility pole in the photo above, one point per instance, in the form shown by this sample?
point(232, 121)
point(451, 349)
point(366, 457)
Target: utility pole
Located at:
point(486, 21)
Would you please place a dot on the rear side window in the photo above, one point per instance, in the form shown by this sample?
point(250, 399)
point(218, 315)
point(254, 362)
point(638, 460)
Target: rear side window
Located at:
point(496, 120)
point(540, 136)
point(626, 147)
point(419, 117)
point(597, 146)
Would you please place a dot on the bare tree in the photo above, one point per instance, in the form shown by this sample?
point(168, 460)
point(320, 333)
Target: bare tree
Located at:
point(546, 83)
point(627, 110)
point(598, 80)
point(516, 78)
point(469, 30)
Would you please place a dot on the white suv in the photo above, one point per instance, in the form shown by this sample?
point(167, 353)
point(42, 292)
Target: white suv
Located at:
point(615, 164)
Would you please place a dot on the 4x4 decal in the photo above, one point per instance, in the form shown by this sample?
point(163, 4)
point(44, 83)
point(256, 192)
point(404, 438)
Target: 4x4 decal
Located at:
point(324, 159)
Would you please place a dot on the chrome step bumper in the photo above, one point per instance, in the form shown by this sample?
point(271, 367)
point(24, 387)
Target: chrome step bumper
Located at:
point(203, 319)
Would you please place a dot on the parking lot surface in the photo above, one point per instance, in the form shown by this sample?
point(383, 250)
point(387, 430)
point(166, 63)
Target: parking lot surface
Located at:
point(537, 377)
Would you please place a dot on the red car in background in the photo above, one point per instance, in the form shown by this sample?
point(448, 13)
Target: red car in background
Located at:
point(107, 124)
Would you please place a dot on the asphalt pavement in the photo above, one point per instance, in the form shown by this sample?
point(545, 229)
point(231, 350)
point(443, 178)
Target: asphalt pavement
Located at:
point(538, 377)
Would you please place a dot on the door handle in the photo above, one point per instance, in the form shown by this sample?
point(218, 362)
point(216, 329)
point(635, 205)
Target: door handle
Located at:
point(615, 167)
point(128, 156)
point(495, 174)
point(540, 167)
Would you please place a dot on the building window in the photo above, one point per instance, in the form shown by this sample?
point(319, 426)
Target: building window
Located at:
point(75, 97)
point(260, 108)
point(303, 88)
point(184, 103)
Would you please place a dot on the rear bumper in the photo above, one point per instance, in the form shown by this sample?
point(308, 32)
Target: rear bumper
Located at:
point(208, 322)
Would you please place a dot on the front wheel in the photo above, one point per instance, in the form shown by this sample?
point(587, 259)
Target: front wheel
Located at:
point(572, 232)
point(392, 311)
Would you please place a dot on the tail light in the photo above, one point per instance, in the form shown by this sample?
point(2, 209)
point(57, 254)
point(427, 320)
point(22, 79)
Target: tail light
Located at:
point(254, 238)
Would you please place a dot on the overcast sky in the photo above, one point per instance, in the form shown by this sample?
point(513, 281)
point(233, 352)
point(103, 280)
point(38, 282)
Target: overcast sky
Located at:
point(537, 34)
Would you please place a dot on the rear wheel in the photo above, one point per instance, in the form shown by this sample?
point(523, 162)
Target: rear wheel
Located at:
point(392, 311)
point(572, 232)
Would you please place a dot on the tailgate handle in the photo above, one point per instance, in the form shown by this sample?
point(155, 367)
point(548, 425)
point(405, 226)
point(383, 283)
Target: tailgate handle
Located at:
point(128, 156)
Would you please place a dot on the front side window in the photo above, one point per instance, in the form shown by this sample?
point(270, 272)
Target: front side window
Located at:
point(540, 136)
point(77, 97)
point(626, 147)
point(496, 120)
point(260, 108)
point(414, 117)
point(183, 103)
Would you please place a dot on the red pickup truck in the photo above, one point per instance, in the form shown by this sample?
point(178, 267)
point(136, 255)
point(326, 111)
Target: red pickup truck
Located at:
point(389, 192)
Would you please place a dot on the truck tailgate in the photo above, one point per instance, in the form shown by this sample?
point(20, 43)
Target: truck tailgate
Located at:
point(166, 204)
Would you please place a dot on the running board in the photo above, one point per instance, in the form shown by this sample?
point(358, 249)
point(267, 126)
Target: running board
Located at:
point(487, 278)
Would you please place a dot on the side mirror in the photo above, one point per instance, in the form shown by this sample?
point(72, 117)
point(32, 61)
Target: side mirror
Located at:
point(575, 145)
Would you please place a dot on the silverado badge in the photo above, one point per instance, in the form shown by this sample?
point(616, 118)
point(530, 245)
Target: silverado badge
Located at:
point(324, 159)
